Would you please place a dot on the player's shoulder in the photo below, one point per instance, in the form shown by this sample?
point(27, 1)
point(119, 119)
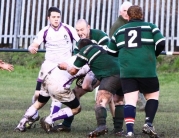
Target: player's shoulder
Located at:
point(98, 32)
point(45, 28)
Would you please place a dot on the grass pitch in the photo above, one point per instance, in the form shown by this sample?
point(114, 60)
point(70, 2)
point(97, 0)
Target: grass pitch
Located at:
point(17, 88)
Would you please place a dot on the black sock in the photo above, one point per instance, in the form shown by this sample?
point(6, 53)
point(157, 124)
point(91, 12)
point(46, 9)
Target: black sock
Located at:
point(119, 117)
point(101, 115)
point(150, 110)
point(68, 121)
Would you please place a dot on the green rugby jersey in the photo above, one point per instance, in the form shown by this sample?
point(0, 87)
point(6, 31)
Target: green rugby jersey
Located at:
point(98, 37)
point(102, 64)
point(136, 43)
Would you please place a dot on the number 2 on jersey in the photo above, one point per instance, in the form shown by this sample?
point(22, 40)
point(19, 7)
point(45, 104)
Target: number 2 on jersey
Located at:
point(133, 37)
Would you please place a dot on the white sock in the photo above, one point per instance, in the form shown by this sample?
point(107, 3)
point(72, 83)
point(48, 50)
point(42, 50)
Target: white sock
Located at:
point(61, 114)
point(30, 111)
point(36, 114)
point(48, 119)
point(55, 107)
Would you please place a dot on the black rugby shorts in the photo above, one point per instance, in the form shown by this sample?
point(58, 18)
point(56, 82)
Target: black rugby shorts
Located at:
point(144, 85)
point(111, 84)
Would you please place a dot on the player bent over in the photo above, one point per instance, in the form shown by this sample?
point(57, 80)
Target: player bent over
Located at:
point(56, 85)
point(109, 78)
point(101, 39)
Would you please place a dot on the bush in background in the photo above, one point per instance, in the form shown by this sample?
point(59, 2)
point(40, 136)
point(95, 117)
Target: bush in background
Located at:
point(168, 63)
point(23, 59)
point(164, 64)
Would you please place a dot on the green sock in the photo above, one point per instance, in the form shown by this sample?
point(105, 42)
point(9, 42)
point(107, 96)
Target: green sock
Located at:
point(119, 117)
point(68, 121)
point(101, 115)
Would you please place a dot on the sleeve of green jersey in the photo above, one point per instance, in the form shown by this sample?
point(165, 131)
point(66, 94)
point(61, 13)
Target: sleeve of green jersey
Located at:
point(103, 38)
point(112, 47)
point(158, 37)
point(81, 60)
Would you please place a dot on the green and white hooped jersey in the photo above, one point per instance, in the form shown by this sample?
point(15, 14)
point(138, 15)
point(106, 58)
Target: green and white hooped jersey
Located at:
point(101, 64)
point(136, 43)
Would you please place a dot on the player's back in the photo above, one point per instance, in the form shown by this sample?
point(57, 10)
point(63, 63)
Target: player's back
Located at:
point(102, 64)
point(136, 41)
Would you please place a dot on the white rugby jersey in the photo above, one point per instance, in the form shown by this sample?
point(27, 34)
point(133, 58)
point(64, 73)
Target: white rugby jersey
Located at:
point(58, 42)
point(62, 78)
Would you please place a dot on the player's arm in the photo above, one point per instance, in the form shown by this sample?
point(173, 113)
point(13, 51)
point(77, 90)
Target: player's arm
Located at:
point(112, 48)
point(33, 48)
point(103, 38)
point(70, 69)
point(159, 48)
point(6, 66)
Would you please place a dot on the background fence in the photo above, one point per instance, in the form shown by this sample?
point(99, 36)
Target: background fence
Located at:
point(20, 20)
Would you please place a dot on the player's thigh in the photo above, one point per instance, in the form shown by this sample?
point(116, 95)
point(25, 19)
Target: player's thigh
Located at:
point(45, 68)
point(148, 85)
point(111, 84)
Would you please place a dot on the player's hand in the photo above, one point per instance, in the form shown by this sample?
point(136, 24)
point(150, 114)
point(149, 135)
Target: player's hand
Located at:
point(1, 62)
point(33, 50)
point(6, 66)
point(63, 66)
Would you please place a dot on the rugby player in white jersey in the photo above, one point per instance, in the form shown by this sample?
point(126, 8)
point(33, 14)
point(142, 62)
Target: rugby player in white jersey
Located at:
point(58, 38)
point(56, 84)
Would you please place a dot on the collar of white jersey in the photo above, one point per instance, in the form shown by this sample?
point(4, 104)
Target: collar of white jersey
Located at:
point(56, 29)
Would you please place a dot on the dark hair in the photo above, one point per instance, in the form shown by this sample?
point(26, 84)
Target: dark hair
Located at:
point(135, 12)
point(53, 9)
point(84, 42)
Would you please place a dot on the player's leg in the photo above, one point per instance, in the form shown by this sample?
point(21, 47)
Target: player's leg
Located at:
point(141, 102)
point(34, 99)
point(88, 83)
point(25, 122)
point(130, 90)
point(152, 96)
point(112, 106)
point(72, 109)
point(118, 118)
point(102, 100)
point(107, 88)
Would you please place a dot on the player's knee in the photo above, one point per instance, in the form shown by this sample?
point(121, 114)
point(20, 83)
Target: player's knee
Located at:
point(76, 110)
point(118, 100)
point(43, 99)
point(103, 98)
point(36, 94)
